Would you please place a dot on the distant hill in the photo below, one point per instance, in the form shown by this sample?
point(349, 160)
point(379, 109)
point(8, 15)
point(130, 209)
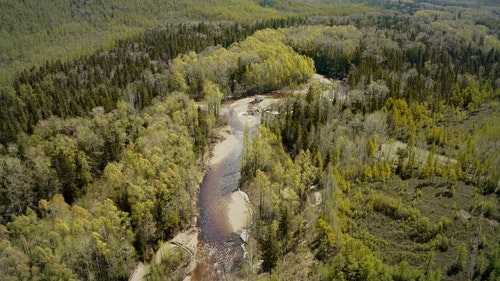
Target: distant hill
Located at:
point(34, 31)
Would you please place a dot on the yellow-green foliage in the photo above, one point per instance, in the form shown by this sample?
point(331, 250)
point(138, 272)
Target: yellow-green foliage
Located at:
point(393, 207)
point(433, 14)
point(277, 65)
point(54, 244)
point(258, 64)
point(33, 33)
point(342, 40)
point(492, 42)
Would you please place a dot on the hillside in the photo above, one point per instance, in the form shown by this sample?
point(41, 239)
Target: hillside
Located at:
point(33, 32)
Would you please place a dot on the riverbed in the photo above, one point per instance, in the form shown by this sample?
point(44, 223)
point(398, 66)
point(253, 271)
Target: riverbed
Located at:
point(225, 210)
point(215, 244)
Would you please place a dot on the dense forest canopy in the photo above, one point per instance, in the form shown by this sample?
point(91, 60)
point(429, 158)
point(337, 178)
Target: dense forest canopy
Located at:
point(393, 178)
point(34, 31)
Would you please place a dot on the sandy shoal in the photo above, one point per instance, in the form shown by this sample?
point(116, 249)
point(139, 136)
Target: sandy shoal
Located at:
point(224, 149)
point(238, 212)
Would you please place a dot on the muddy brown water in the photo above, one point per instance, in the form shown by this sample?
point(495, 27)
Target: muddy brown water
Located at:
point(219, 250)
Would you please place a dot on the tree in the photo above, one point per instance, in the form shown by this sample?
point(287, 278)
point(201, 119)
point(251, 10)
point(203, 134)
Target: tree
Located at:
point(307, 171)
point(14, 264)
point(371, 146)
point(492, 271)
point(458, 265)
point(261, 186)
point(16, 188)
point(428, 169)
point(213, 97)
point(324, 242)
point(270, 246)
point(72, 168)
point(285, 231)
point(356, 262)
point(44, 177)
point(113, 250)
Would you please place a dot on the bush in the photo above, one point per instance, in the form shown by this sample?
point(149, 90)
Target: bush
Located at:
point(441, 243)
point(490, 208)
point(423, 229)
point(393, 208)
point(458, 265)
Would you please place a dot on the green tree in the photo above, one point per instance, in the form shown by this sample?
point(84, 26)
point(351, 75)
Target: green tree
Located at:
point(324, 242)
point(16, 188)
point(113, 251)
point(72, 168)
point(492, 271)
point(459, 263)
point(213, 97)
point(356, 262)
point(270, 246)
point(285, 230)
point(14, 264)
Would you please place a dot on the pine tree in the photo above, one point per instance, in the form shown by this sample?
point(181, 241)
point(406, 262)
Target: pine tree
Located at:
point(270, 246)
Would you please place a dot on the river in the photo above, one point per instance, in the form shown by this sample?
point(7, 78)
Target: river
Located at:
point(215, 244)
point(220, 250)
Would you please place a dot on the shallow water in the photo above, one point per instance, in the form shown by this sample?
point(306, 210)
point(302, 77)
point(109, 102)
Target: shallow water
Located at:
point(219, 250)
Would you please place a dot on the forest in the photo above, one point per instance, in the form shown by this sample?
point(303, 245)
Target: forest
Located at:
point(108, 114)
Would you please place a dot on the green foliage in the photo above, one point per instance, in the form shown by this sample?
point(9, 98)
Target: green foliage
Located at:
point(133, 69)
point(260, 63)
point(332, 48)
point(478, 157)
point(356, 262)
point(143, 162)
point(66, 239)
point(277, 65)
point(393, 208)
point(324, 242)
point(404, 272)
point(33, 33)
point(172, 264)
point(492, 270)
point(337, 132)
point(260, 152)
point(458, 265)
point(99, 155)
point(270, 246)
point(213, 98)
point(159, 172)
point(441, 243)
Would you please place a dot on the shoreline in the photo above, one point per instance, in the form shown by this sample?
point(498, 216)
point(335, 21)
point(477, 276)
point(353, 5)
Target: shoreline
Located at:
point(248, 111)
point(236, 204)
point(238, 211)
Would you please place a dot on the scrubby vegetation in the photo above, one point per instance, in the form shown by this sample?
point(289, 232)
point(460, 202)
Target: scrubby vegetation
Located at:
point(392, 177)
point(389, 182)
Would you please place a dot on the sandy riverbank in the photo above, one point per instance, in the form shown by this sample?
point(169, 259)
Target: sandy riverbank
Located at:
point(224, 148)
point(237, 204)
point(238, 211)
